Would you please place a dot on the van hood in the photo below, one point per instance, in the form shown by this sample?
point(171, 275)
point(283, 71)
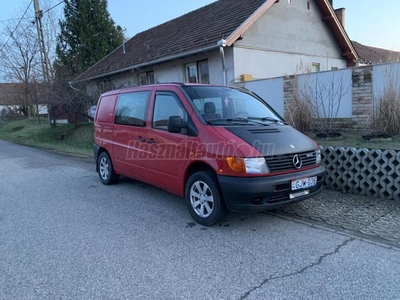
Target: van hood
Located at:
point(274, 139)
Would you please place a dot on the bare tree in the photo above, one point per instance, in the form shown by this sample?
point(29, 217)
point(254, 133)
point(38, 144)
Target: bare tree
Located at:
point(20, 58)
point(324, 98)
point(386, 103)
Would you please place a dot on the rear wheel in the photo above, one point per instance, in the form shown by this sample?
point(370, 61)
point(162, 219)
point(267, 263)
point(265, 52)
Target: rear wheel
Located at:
point(203, 198)
point(106, 170)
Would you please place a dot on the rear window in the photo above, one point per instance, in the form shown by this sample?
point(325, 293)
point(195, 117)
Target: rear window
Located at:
point(105, 109)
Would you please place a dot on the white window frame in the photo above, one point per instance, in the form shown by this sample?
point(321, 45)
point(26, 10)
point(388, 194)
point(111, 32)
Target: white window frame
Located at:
point(196, 65)
point(315, 67)
point(187, 70)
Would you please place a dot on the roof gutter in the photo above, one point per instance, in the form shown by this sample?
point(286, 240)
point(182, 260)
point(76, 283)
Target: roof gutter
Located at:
point(153, 62)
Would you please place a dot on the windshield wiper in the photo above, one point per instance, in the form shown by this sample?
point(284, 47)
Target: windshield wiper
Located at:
point(228, 120)
point(267, 119)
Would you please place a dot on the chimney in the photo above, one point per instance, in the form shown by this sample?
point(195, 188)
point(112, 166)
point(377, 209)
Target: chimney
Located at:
point(341, 14)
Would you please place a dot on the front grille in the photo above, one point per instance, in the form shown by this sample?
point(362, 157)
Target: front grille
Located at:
point(279, 163)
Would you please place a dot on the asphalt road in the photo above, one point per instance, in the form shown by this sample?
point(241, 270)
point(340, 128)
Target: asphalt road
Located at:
point(64, 235)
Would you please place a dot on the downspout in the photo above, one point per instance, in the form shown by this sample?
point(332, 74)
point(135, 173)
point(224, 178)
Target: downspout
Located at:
point(222, 45)
point(72, 87)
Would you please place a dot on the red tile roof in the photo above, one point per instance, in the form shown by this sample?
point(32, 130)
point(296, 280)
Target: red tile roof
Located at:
point(15, 93)
point(11, 93)
point(373, 55)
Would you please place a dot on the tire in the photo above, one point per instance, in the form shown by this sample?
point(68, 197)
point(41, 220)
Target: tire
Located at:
point(203, 199)
point(106, 170)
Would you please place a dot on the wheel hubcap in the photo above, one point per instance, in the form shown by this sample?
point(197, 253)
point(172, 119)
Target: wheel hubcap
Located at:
point(104, 168)
point(202, 199)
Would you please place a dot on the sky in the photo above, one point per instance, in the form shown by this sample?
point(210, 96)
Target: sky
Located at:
point(370, 22)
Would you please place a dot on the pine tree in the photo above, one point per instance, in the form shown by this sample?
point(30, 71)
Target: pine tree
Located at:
point(88, 34)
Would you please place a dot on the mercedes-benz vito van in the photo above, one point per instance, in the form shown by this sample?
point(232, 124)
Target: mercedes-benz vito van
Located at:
point(221, 148)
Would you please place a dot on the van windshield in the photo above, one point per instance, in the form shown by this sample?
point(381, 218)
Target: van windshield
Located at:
point(226, 105)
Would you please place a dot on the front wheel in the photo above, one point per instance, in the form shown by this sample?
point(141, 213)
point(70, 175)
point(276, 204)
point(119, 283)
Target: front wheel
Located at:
point(203, 199)
point(106, 170)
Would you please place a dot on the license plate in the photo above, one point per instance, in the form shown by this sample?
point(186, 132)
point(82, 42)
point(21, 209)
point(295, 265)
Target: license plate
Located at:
point(299, 194)
point(304, 183)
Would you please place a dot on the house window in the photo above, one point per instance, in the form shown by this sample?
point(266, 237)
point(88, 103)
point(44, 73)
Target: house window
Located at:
point(142, 79)
point(150, 77)
point(191, 73)
point(146, 78)
point(334, 68)
point(198, 72)
point(105, 86)
point(101, 87)
point(308, 5)
point(315, 67)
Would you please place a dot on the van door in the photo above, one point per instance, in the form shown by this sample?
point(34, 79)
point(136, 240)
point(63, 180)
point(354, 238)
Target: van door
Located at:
point(170, 150)
point(130, 152)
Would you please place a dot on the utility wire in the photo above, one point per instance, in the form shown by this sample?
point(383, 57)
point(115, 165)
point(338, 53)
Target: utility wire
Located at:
point(47, 10)
point(8, 20)
point(16, 27)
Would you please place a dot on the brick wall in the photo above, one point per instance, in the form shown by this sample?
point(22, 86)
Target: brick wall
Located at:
point(362, 98)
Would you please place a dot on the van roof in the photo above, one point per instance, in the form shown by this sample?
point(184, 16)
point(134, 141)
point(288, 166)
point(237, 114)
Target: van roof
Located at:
point(181, 84)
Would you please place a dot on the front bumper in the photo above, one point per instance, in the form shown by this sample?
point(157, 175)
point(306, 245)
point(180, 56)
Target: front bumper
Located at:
point(264, 193)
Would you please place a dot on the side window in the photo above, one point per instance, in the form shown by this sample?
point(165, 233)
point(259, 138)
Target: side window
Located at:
point(131, 109)
point(167, 105)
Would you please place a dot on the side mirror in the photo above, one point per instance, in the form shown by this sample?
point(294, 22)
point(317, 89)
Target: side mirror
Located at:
point(175, 124)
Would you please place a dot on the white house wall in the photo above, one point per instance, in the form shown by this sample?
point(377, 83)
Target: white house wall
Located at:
point(287, 39)
point(174, 71)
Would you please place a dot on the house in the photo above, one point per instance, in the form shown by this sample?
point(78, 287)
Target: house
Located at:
point(13, 94)
point(29, 99)
point(230, 41)
point(18, 97)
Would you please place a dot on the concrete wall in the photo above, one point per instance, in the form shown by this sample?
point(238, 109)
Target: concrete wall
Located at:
point(330, 91)
point(287, 40)
point(385, 76)
point(270, 91)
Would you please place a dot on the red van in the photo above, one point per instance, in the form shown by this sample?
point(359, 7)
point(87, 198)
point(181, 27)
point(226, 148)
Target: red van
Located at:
point(222, 148)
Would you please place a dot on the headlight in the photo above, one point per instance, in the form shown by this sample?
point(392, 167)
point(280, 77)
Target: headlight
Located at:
point(254, 165)
point(318, 156)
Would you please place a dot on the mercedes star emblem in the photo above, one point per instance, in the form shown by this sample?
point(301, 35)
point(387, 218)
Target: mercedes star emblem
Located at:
point(297, 163)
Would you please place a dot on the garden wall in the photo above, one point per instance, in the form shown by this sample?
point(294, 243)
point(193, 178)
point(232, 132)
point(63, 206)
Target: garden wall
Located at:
point(369, 172)
point(347, 96)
